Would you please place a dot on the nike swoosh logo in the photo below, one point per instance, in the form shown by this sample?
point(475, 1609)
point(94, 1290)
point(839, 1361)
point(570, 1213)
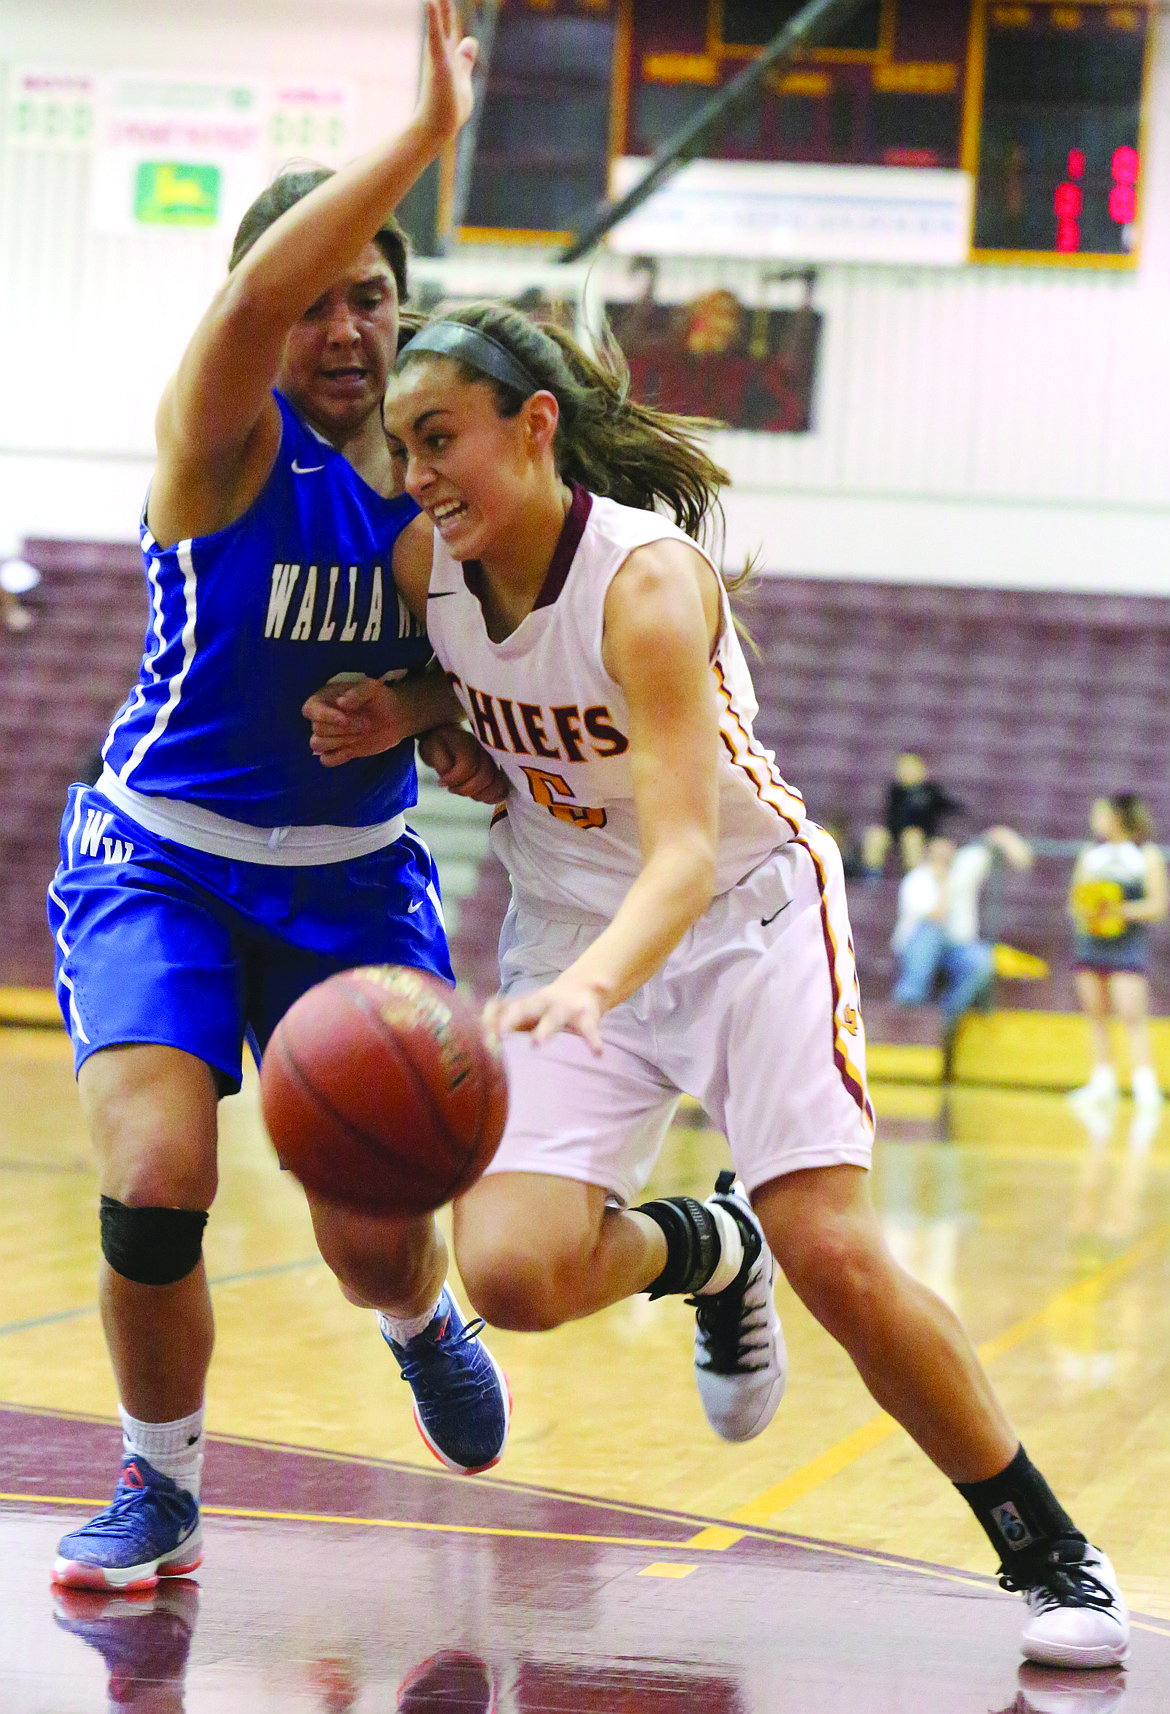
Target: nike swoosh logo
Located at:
point(305, 469)
point(438, 594)
point(416, 906)
point(764, 921)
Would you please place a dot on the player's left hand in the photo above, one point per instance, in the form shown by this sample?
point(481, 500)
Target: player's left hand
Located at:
point(569, 1003)
point(353, 717)
point(462, 764)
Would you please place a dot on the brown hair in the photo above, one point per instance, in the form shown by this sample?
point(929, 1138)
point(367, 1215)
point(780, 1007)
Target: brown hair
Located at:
point(284, 193)
point(1133, 815)
point(605, 440)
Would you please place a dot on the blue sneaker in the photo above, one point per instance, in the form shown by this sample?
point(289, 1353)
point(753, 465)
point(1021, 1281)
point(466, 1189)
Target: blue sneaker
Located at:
point(151, 1530)
point(461, 1400)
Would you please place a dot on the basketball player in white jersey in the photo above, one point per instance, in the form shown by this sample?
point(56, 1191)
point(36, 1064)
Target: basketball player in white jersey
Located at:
point(677, 924)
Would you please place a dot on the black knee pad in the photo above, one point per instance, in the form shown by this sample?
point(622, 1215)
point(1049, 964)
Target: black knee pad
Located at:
point(152, 1246)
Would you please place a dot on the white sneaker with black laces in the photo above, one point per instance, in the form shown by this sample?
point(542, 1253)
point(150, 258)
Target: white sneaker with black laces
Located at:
point(741, 1364)
point(1078, 1616)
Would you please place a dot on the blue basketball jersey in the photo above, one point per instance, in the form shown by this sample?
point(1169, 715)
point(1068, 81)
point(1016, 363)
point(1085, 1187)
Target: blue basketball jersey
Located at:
point(248, 622)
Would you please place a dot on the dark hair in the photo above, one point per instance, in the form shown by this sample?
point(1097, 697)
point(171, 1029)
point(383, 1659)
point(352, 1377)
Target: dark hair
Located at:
point(1133, 815)
point(284, 193)
point(605, 440)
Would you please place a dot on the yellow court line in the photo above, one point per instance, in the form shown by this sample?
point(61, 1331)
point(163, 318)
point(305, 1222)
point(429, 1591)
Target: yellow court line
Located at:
point(712, 1539)
point(659, 1568)
point(831, 1462)
point(820, 1469)
point(1143, 1251)
point(255, 1515)
point(716, 1536)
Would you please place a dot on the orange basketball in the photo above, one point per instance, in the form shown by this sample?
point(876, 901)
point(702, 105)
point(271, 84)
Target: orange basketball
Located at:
point(382, 1091)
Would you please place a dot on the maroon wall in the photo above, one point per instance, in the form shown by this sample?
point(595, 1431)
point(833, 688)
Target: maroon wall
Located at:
point(62, 681)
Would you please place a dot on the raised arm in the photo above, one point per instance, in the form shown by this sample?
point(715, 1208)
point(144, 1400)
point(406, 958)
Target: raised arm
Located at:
point(217, 425)
point(661, 616)
point(1011, 846)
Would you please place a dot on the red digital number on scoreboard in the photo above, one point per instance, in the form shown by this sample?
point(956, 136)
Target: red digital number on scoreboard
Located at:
point(1069, 201)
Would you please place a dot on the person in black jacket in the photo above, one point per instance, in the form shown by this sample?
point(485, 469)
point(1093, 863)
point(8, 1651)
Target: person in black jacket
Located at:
point(916, 808)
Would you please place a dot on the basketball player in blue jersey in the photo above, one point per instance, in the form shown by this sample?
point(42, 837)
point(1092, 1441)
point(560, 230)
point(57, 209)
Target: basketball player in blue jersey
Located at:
point(216, 871)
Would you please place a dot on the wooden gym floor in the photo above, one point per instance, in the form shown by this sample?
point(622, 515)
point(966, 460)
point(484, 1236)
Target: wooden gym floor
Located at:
point(621, 1558)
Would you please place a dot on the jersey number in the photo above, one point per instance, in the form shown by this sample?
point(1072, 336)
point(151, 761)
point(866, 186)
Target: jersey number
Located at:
point(550, 790)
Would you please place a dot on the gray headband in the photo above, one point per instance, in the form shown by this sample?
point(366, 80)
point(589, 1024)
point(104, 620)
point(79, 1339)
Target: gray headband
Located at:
point(477, 349)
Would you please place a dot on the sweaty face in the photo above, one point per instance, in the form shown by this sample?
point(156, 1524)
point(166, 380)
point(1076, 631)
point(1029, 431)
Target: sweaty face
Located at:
point(337, 357)
point(467, 467)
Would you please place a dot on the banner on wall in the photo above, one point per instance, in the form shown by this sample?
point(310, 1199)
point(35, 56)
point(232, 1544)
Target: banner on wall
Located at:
point(180, 153)
point(177, 153)
point(51, 107)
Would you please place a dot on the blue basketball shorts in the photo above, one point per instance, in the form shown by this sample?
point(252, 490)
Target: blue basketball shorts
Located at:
point(158, 943)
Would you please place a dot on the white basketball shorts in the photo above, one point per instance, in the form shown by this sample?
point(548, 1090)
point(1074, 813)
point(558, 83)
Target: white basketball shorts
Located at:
point(755, 1013)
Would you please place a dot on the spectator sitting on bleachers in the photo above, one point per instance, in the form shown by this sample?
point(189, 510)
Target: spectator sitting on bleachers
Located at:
point(937, 934)
point(915, 810)
point(17, 578)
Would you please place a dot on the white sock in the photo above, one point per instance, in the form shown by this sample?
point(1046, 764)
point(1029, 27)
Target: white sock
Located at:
point(173, 1448)
point(406, 1327)
point(730, 1251)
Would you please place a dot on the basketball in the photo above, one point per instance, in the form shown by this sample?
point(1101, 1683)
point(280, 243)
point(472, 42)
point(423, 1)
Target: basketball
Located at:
point(382, 1091)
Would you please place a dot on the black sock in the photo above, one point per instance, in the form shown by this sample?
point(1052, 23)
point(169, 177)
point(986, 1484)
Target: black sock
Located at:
point(1021, 1516)
point(693, 1245)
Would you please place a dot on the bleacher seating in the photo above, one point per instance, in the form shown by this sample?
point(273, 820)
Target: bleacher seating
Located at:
point(1026, 704)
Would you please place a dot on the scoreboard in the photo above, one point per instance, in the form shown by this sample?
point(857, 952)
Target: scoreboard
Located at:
point(1057, 153)
point(1039, 105)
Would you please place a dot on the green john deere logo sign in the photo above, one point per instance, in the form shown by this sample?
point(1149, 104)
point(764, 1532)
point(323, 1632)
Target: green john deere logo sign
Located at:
point(176, 193)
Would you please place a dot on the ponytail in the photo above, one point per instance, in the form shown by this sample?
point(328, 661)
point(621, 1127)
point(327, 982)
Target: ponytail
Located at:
point(605, 440)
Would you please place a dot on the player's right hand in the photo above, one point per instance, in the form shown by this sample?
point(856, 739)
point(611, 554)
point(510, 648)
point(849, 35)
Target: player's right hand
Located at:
point(568, 1003)
point(352, 718)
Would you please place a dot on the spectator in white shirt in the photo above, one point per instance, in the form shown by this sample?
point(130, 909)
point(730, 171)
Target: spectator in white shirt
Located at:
point(937, 936)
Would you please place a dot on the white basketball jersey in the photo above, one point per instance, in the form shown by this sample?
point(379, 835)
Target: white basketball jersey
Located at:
point(1116, 860)
point(544, 706)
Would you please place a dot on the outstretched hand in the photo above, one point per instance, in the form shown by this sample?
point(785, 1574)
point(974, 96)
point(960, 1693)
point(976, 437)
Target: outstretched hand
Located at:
point(445, 93)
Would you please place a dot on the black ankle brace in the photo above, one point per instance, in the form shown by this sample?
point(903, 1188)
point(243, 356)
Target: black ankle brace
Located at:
point(692, 1244)
point(1020, 1515)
